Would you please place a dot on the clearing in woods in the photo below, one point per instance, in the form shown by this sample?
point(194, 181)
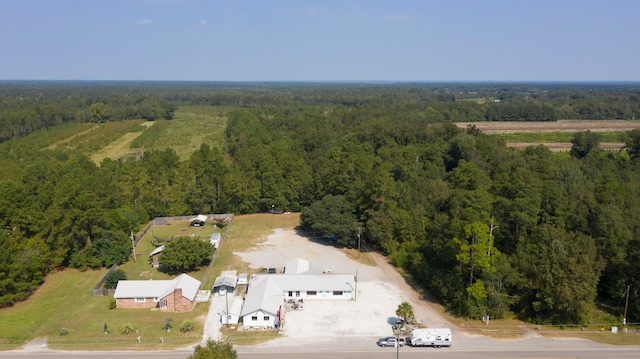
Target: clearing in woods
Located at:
point(555, 126)
point(120, 148)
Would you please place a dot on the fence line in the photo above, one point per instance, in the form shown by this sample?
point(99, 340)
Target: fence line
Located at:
point(223, 236)
point(98, 290)
point(160, 221)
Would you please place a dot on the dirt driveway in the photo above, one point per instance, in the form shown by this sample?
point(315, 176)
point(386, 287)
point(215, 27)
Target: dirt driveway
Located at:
point(380, 290)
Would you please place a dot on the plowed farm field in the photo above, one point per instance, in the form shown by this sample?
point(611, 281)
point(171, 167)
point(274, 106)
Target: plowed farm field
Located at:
point(557, 126)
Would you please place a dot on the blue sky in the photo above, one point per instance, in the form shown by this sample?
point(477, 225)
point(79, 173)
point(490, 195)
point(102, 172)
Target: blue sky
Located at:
point(330, 40)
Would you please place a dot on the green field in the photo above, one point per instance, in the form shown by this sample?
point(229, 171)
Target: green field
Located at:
point(192, 127)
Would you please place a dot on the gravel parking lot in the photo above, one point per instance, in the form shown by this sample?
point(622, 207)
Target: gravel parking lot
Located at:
point(380, 290)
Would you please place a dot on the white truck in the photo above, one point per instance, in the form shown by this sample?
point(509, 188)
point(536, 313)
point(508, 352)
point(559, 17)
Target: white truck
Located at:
point(430, 337)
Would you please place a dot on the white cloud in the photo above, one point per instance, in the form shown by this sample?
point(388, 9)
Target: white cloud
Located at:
point(145, 21)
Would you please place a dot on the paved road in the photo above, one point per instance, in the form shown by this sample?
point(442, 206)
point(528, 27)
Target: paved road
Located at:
point(371, 353)
point(465, 347)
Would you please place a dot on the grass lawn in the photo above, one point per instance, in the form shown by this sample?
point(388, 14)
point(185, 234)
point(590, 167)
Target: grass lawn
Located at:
point(244, 233)
point(66, 298)
point(141, 268)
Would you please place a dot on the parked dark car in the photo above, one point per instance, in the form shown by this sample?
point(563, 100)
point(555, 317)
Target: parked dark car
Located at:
point(390, 342)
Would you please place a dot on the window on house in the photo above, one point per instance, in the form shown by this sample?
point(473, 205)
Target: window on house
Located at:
point(266, 317)
point(291, 293)
point(311, 292)
point(140, 299)
point(337, 292)
point(254, 318)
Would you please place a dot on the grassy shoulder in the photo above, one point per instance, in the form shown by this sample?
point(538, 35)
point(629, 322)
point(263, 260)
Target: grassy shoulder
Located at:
point(515, 329)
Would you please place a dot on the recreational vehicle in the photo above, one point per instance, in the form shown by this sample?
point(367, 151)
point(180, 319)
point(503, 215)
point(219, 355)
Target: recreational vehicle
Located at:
point(430, 337)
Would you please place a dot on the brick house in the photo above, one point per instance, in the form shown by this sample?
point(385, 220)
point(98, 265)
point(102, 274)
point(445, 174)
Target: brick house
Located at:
point(176, 295)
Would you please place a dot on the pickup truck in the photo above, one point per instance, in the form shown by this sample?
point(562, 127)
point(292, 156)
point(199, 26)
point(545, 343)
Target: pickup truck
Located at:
point(390, 342)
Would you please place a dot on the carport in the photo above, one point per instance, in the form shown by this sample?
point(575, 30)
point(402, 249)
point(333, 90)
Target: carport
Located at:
point(226, 282)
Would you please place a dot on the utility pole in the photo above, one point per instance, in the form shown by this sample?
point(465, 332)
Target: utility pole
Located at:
point(626, 305)
point(491, 235)
point(133, 246)
point(355, 292)
point(227, 313)
point(397, 342)
point(272, 214)
point(358, 242)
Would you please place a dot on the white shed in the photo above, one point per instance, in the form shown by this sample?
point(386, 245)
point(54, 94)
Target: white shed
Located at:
point(235, 308)
point(215, 239)
point(243, 278)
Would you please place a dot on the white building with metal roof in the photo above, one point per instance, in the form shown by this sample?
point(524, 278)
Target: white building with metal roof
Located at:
point(267, 293)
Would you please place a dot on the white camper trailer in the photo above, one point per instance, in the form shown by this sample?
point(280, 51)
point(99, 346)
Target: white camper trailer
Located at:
point(430, 337)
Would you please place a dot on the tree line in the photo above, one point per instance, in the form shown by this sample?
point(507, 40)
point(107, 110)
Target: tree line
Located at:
point(484, 228)
point(26, 107)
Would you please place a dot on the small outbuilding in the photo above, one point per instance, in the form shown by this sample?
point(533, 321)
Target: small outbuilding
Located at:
point(233, 316)
point(225, 283)
point(215, 239)
point(243, 278)
point(199, 221)
point(155, 256)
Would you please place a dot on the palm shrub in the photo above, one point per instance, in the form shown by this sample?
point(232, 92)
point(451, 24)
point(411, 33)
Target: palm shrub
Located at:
point(187, 326)
point(127, 328)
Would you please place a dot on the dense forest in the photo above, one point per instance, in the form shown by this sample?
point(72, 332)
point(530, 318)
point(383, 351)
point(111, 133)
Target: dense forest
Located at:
point(29, 106)
point(546, 237)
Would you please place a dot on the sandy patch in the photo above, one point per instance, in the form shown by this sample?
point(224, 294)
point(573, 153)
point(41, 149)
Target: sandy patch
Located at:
point(380, 290)
point(285, 244)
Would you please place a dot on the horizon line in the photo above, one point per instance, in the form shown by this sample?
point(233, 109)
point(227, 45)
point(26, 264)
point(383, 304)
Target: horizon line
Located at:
point(345, 81)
